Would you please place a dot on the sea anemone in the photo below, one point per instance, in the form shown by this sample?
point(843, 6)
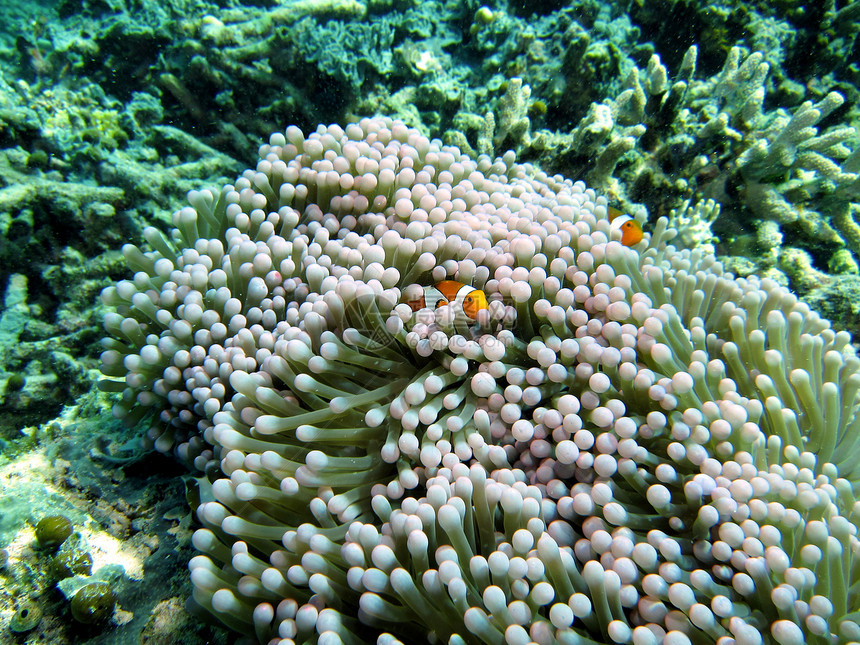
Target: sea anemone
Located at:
point(628, 445)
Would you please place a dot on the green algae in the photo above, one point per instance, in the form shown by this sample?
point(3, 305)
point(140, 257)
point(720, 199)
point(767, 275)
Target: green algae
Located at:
point(93, 603)
point(53, 530)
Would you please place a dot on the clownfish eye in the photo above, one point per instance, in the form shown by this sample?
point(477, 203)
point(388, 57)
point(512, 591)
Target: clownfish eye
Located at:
point(469, 299)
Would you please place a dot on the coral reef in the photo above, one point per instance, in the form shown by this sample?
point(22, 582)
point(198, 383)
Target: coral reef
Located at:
point(779, 168)
point(597, 90)
point(131, 528)
point(59, 229)
point(735, 120)
point(628, 444)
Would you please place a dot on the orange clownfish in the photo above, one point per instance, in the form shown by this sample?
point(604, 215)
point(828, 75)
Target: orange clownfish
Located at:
point(450, 291)
point(631, 230)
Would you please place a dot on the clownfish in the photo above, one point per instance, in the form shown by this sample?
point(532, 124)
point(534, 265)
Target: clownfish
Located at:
point(450, 291)
point(631, 230)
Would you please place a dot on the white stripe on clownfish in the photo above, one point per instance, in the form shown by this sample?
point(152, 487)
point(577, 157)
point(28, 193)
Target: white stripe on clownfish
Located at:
point(631, 229)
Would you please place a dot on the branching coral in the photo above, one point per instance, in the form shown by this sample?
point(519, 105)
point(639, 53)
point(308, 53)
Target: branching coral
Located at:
point(659, 142)
point(629, 445)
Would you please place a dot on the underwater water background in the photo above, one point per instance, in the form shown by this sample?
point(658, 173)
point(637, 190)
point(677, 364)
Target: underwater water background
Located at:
point(735, 121)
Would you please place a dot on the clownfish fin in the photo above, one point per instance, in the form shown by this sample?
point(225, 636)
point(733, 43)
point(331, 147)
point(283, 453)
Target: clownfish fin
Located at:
point(612, 213)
